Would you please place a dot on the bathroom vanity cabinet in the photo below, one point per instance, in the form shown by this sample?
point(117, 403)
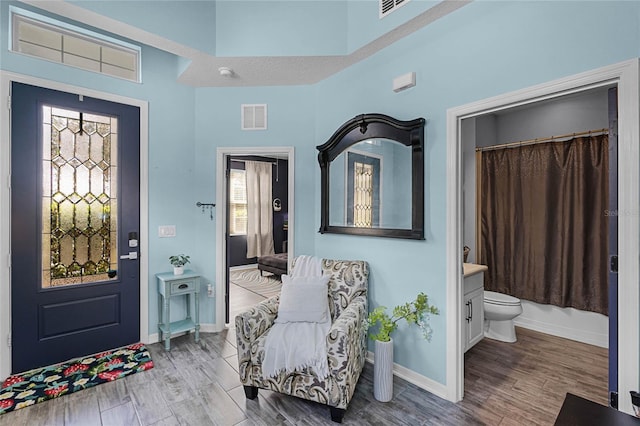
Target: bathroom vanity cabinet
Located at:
point(473, 305)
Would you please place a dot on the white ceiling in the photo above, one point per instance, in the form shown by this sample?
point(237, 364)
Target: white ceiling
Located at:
point(249, 71)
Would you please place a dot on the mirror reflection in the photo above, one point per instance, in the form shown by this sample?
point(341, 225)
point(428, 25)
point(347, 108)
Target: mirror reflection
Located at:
point(372, 178)
point(370, 186)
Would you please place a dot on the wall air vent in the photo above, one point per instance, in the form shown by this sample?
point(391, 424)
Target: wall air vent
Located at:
point(388, 6)
point(254, 116)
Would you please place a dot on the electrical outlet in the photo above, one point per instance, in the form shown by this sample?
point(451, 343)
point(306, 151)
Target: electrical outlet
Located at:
point(211, 292)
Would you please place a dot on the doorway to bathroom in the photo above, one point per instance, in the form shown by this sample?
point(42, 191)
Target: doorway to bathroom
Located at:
point(624, 77)
point(536, 196)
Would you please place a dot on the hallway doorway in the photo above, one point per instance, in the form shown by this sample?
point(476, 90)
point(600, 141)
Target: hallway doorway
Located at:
point(230, 252)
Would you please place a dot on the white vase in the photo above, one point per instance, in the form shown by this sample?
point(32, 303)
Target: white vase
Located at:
point(178, 270)
point(383, 371)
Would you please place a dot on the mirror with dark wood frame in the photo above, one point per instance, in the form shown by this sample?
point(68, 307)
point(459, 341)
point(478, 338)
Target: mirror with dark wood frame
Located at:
point(372, 178)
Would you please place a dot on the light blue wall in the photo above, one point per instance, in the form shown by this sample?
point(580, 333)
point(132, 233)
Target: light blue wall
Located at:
point(189, 22)
point(399, 193)
point(282, 28)
point(171, 147)
point(481, 50)
point(261, 27)
point(364, 24)
point(290, 118)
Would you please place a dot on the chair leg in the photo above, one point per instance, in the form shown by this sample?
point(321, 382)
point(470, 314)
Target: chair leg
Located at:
point(251, 392)
point(337, 414)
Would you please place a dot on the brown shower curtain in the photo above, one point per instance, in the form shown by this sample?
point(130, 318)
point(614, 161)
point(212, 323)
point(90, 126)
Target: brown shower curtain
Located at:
point(544, 223)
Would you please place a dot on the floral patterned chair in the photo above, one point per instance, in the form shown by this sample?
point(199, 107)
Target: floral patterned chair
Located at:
point(346, 342)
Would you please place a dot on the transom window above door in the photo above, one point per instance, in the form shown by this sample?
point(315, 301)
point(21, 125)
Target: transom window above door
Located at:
point(52, 40)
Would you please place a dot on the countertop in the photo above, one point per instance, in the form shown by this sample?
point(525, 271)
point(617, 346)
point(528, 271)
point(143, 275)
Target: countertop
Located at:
point(472, 269)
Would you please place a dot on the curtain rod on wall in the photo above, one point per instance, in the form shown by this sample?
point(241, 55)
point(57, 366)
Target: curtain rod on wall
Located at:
point(542, 140)
point(275, 161)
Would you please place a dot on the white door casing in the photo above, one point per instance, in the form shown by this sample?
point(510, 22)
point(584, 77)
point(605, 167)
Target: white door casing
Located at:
point(626, 76)
point(221, 214)
point(5, 202)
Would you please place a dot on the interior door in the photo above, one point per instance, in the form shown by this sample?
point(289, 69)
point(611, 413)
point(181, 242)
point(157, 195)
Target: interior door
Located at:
point(227, 235)
point(75, 287)
point(613, 247)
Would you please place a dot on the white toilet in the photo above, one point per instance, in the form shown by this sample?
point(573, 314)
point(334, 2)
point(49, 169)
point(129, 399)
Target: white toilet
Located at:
point(499, 311)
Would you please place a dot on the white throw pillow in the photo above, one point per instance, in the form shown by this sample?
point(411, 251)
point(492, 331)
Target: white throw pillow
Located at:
point(303, 299)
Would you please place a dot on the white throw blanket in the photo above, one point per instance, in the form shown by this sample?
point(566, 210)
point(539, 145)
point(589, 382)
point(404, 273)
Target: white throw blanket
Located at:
point(307, 266)
point(294, 346)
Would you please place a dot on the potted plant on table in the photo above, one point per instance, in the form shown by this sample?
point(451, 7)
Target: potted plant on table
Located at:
point(178, 261)
point(416, 312)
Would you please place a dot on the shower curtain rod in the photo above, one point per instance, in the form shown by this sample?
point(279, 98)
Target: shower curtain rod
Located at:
point(542, 140)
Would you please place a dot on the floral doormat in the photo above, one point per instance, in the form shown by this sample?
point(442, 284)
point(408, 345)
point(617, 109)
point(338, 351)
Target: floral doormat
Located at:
point(23, 390)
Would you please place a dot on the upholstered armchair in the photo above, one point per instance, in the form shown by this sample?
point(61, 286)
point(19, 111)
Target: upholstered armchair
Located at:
point(346, 342)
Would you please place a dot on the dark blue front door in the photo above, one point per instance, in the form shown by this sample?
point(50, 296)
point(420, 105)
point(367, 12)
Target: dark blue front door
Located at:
point(74, 210)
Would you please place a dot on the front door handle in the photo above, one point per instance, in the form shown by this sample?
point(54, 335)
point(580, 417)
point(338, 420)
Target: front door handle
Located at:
point(132, 255)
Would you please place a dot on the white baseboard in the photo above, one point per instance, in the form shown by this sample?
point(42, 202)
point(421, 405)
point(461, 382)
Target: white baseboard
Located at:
point(596, 339)
point(419, 380)
point(204, 328)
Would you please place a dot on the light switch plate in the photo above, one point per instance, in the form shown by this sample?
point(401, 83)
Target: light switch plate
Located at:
point(166, 231)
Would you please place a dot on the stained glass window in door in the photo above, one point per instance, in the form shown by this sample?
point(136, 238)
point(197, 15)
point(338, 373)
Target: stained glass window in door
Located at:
point(79, 197)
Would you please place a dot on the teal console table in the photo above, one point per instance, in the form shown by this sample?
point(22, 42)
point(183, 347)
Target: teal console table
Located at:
point(170, 285)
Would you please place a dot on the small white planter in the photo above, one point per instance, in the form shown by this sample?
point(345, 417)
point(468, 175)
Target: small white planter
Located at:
point(383, 371)
point(178, 270)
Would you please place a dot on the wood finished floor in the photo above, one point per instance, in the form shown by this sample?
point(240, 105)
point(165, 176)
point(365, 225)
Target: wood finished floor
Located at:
point(197, 384)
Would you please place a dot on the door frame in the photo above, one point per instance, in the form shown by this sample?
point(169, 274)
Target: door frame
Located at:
point(221, 214)
point(627, 77)
point(6, 78)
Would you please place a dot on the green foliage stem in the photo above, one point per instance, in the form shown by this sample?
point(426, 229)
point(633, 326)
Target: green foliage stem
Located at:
point(416, 312)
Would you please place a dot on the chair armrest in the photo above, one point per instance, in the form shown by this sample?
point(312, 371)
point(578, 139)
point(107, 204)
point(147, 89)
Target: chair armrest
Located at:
point(347, 342)
point(254, 322)
point(250, 325)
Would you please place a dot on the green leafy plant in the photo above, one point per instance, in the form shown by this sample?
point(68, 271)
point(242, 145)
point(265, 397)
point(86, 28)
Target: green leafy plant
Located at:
point(179, 260)
point(416, 312)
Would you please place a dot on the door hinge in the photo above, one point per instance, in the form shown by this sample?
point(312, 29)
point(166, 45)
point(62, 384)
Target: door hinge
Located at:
point(613, 263)
point(613, 400)
point(9, 340)
point(9, 181)
point(9, 260)
point(9, 102)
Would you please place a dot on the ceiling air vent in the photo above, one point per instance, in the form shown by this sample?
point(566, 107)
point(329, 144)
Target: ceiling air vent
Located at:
point(388, 6)
point(254, 116)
